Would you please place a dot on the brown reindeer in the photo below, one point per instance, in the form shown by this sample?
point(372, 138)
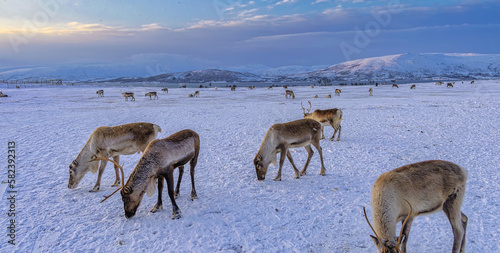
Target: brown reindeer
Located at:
point(337, 92)
point(114, 141)
point(315, 96)
point(127, 95)
point(328, 96)
point(413, 190)
point(159, 161)
point(152, 94)
point(289, 94)
point(395, 85)
point(331, 117)
point(280, 138)
point(370, 91)
point(100, 93)
point(449, 85)
point(233, 88)
point(196, 93)
point(413, 86)
point(164, 90)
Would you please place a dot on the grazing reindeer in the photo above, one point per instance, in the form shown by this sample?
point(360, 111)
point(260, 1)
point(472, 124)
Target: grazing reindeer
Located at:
point(315, 96)
point(190, 95)
point(100, 93)
point(159, 161)
point(439, 83)
point(328, 96)
point(114, 141)
point(449, 85)
point(152, 94)
point(331, 117)
point(312, 86)
point(164, 90)
point(3, 95)
point(285, 87)
point(233, 88)
point(196, 93)
point(471, 82)
point(413, 86)
point(413, 190)
point(337, 92)
point(127, 95)
point(289, 94)
point(395, 85)
point(270, 87)
point(371, 91)
point(280, 138)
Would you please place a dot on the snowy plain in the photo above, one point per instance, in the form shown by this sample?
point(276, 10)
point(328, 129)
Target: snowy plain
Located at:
point(235, 212)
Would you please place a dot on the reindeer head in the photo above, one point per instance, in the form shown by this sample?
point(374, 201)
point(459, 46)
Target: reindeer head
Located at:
point(387, 246)
point(131, 200)
point(308, 110)
point(260, 168)
point(78, 169)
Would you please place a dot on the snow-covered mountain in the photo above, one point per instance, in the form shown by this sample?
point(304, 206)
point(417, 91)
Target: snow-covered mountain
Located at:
point(196, 76)
point(400, 67)
point(412, 67)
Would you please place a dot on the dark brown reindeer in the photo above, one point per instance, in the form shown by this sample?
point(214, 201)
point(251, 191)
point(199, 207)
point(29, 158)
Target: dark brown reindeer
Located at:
point(413, 190)
point(100, 93)
point(151, 94)
point(159, 161)
point(289, 94)
point(331, 117)
point(280, 138)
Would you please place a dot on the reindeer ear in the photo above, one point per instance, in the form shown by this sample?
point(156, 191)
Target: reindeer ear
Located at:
point(151, 186)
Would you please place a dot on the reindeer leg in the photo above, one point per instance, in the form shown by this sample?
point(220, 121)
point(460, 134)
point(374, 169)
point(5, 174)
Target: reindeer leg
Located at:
point(282, 161)
point(340, 129)
point(334, 132)
point(322, 132)
point(192, 165)
point(176, 212)
point(181, 172)
point(99, 176)
point(320, 151)
point(297, 175)
point(310, 153)
point(464, 225)
point(117, 170)
point(159, 203)
point(451, 208)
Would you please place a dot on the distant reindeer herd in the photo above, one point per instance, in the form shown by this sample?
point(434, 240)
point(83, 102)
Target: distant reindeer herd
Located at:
point(399, 195)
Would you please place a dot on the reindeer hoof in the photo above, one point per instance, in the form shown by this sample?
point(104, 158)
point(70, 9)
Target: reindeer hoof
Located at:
point(303, 173)
point(297, 177)
point(176, 215)
point(277, 179)
point(176, 195)
point(95, 189)
point(194, 196)
point(331, 139)
point(157, 208)
point(338, 139)
point(116, 183)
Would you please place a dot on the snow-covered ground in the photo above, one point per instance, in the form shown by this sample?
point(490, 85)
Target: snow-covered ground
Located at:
point(235, 212)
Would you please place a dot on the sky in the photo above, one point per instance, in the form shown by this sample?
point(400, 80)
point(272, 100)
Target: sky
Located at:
point(185, 35)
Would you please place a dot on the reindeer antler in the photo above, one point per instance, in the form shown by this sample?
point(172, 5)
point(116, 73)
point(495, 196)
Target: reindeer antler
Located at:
point(304, 109)
point(103, 158)
point(403, 226)
point(369, 224)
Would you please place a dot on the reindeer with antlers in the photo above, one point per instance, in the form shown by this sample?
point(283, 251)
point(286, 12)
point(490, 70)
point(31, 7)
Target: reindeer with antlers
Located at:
point(289, 94)
point(159, 161)
point(413, 190)
point(331, 117)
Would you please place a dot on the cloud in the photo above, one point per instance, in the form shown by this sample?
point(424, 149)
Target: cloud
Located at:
point(79, 28)
point(286, 2)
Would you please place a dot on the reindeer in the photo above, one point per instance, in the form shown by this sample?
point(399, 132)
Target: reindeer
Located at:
point(215, 88)
point(337, 92)
point(164, 90)
point(413, 86)
point(370, 91)
point(190, 95)
point(413, 190)
point(196, 93)
point(439, 83)
point(449, 85)
point(315, 96)
point(233, 88)
point(159, 161)
point(328, 96)
point(270, 87)
point(100, 93)
point(127, 95)
point(285, 87)
point(152, 94)
point(280, 138)
point(312, 86)
point(3, 95)
point(471, 82)
point(395, 85)
point(114, 141)
point(289, 94)
point(331, 117)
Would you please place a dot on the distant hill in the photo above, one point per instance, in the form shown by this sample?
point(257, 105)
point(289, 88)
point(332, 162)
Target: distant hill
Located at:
point(400, 67)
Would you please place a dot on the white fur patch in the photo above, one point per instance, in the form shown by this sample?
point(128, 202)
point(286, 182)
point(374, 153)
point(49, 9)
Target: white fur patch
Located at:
point(151, 187)
point(94, 166)
point(274, 161)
